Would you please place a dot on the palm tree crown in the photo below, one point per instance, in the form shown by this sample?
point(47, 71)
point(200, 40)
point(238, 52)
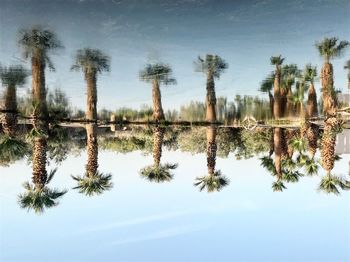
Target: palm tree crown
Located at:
point(310, 73)
point(330, 48)
point(276, 60)
point(13, 75)
point(212, 64)
point(38, 41)
point(91, 61)
point(159, 71)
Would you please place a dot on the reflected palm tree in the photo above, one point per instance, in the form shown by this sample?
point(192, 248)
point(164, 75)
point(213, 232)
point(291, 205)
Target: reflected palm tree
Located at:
point(37, 43)
point(38, 196)
point(214, 181)
point(91, 62)
point(93, 182)
point(328, 49)
point(157, 74)
point(212, 66)
point(158, 172)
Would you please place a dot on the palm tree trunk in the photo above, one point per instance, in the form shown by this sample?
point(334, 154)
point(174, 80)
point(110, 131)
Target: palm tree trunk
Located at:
point(10, 118)
point(290, 106)
point(277, 95)
point(92, 150)
point(91, 103)
point(278, 150)
point(158, 138)
point(312, 135)
point(328, 94)
point(328, 144)
point(283, 101)
point(312, 102)
point(211, 149)
point(210, 99)
point(38, 84)
point(39, 154)
point(158, 113)
point(271, 102)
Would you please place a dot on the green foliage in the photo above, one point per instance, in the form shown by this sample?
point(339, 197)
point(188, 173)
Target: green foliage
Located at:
point(39, 199)
point(332, 184)
point(211, 64)
point(276, 60)
point(278, 186)
point(39, 39)
point(93, 185)
point(159, 71)
point(212, 182)
point(14, 75)
point(91, 61)
point(330, 48)
point(158, 174)
point(11, 149)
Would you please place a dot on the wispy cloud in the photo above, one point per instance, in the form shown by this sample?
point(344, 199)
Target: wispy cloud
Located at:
point(167, 233)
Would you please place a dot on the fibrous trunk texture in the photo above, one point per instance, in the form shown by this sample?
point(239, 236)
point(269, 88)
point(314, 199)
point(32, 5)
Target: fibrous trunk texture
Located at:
point(277, 135)
point(91, 102)
point(38, 84)
point(158, 113)
point(211, 149)
point(277, 95)
point(312, 136)
point(39, 154)
point(158, 137)
point(328, 94)
point(312, 102)
point(328, 144)
point(210, 99)
point(92, 150)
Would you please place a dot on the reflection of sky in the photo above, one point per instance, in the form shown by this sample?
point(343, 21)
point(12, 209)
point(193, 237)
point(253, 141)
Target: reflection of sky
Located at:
point(140, 221)
point(245, 33)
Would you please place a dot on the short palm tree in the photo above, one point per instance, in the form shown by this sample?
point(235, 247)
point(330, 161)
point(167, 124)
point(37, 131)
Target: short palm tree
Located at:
point(37, 43)
point(329, 48)
point(93, 182)
point(277, 62)
point(213, 66)
point(157, 74)
point(91, 62)
point(310, 74)
point(347, 66)
point(11, 77)
point(214, 181)
point(158, 172)
point(38, 196)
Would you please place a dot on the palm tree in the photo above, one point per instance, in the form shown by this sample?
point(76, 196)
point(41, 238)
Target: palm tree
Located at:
point(328, 144)
point(158, 172)
point(277, 61)
point(310, 74)
point(212, 66)
point(91, 62)
point(329, 48)
point(266, 86)
point(37, 43)
point(214, 181)
point(157, 74)
point(347, 66)
point(38, 196)
point(93, 182)
point(289, 74)
point(312, 137)
point(11, 77)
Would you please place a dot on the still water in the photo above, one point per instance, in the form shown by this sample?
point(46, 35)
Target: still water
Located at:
point(151, 209)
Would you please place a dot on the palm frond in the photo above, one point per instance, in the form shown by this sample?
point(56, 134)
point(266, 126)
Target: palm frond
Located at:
point(93, 185)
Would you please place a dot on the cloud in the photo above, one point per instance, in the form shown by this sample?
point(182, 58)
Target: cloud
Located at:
point(167, 233)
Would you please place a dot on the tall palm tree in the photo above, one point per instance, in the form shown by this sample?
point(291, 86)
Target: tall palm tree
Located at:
point(266, 86)
point(278, 150)
point(37, 43)
point(11, 77)
point(214, 181)
point(347, 66)
point(212, 66)
point(310, 74)
point(329, 48)
point(91, 62)
point(157, 74)
point(277, 61)
point(158, 172)
point(93, 182)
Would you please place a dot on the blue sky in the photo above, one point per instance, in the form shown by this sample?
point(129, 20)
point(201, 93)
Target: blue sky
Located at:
point(244, 33)
point(142, 221)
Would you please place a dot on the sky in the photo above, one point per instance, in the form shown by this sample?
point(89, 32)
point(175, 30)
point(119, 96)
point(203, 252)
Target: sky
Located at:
point(141, 221)
point(133, 33)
